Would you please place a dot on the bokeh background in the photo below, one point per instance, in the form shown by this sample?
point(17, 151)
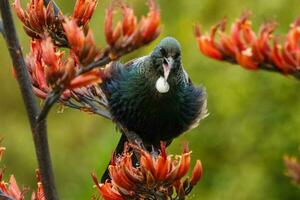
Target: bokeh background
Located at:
point(254, 116)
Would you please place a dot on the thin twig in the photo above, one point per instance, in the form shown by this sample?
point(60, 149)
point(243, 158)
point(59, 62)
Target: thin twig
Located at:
point(93, 65)
point(39, 131)
point(51, 99)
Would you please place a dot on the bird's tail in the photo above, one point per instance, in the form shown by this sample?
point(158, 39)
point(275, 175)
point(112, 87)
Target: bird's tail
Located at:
point(119, 150)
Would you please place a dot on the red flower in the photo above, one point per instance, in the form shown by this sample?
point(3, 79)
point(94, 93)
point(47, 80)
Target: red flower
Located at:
point(131, 34)
point(10, 189)
point(49, 71)
point(293, 168)
point(250, 50)
point(156, 175)
point(82, 44)
point(38, 19)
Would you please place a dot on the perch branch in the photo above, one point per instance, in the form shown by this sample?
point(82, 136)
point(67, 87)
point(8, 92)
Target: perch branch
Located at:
point(93, 65)
point(39, 131)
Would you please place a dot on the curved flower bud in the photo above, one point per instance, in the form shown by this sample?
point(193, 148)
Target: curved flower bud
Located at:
point(197, 173)
point(83, 11)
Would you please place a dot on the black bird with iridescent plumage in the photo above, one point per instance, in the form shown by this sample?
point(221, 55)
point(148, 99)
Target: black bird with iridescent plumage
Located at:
point(153, 95)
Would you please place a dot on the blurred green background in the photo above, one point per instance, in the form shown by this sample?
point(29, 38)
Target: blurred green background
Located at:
point(254, 116)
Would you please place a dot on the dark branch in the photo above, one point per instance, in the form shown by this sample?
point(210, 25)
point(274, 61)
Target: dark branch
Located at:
point(39, 131)
point(93, 65)
point(51, 99)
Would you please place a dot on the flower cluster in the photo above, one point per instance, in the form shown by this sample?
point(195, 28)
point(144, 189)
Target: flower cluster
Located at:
point(157, 176)
point(130, 34)
point(293, 168)
point(11, 190)
point(38, 19)
point(49, 71)
point(250, 50)
point(74, 73)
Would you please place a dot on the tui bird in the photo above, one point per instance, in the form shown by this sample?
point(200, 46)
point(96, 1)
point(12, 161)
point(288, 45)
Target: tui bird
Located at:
point(153, 96)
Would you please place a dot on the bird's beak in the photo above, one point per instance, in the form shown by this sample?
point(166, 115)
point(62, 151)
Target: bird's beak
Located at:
point(168, 64)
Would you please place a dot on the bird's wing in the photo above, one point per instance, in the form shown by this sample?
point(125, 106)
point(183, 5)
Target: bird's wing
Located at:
point(186, 77)
point(114, 69)
point(135, 62)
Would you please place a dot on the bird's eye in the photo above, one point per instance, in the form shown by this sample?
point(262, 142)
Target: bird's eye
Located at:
point(163, 52)
point(176, 55)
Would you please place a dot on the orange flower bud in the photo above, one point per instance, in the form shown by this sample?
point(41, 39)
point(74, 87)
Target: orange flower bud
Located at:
point(83, 11)
point(197, 173)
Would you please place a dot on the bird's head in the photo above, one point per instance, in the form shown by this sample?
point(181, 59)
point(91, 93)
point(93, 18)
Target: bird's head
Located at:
point(166, 58)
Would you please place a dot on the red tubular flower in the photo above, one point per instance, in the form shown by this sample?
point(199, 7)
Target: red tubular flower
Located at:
point(197, 173)
point(207, 44)
point(157, 174)
point(2, 150)
point(293, 168)
point(83, 11)
point(131, 34)
point(253, 51)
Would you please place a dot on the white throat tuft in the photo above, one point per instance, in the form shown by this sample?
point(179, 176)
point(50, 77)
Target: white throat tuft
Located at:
point(162, 85)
